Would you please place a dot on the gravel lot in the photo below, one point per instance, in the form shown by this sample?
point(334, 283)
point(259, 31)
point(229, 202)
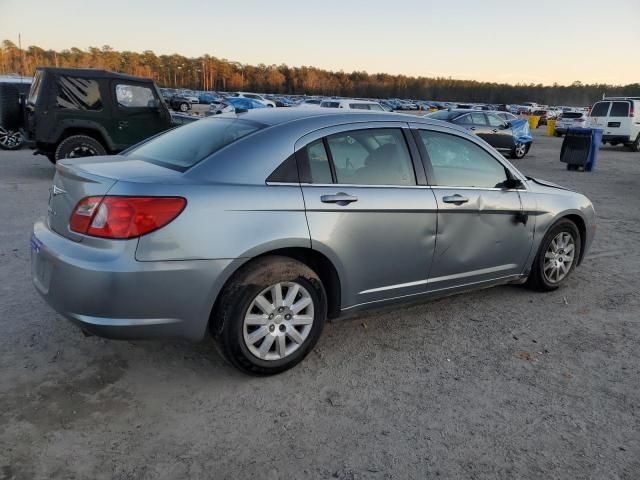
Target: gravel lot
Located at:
point(501, 383)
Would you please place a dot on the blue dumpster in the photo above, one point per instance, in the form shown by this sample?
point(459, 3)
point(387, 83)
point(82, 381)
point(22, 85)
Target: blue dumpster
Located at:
point(580, 148)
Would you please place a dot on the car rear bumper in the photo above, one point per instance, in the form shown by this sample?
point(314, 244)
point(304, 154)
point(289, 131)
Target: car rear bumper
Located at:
point(617, 138)
point(119, 297)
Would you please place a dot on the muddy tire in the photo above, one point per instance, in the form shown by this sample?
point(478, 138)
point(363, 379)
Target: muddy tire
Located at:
point(270, 315)
point(557, 257)
point(77, 146)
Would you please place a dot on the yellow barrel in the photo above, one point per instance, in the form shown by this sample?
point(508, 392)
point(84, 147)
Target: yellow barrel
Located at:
point(551, 127)
point(533, 121)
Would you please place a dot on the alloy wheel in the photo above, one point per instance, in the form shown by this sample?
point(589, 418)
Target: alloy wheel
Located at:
point(10, 139)
point(521, 149)
point(559, 257)
point(278, 321)
point(82, 151)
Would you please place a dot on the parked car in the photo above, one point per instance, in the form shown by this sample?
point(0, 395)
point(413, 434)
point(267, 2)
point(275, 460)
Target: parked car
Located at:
point(351, 104)
point(258, 227)
point(543, 114)
point(255, 96)
point(619, 118)
point(506, 115)
point(75, 112)
point(310, 103)
point(570, 120)
point(191, 97)
point(234, 104)
point(510, 136)
point(178, 103)
point(13, 90)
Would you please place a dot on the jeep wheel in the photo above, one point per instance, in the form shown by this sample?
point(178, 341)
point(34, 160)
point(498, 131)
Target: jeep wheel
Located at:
point(10, 139)
point(79, 146)
point(183, 107)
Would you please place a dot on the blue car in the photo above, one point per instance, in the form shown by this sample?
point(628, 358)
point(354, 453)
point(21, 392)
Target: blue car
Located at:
point(234, 104)
point(508, 136)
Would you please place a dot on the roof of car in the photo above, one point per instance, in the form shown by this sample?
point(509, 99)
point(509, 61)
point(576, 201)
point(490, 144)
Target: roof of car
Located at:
point(325, 117)
point(92, 72)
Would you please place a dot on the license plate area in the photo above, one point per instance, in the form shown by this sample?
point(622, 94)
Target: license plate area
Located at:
point(613, 124)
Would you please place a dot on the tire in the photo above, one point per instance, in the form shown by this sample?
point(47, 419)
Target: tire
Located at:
point(11, 139)
point(77, 146)
point(519, 150)
point(538, 279)
point(635, 145)
point(183, 107)
point(239, 300)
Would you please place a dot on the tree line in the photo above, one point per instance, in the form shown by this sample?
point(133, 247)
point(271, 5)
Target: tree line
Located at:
point(211, 73)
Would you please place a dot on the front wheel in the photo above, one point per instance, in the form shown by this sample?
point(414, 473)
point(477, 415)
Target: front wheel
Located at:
point(183, 107)
point(270, 315)
point(557, 257)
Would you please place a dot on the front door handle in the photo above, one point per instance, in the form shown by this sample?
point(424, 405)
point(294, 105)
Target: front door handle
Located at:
point(122, 124)
point(455, 199)
point(495, 130)
point(339, 198)
point(472, 128)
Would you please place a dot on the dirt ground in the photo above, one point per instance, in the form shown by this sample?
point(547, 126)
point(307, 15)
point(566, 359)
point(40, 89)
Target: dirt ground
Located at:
point(502, 383)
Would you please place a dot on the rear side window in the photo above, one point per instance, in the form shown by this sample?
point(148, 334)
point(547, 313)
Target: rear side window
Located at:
point(619, 109)
point(600, 109)
point(371, 157)
point(330, 104)
point(183, 147)
point(457, 162)
point(134, 96)
point(75, 93)
point(359, 106)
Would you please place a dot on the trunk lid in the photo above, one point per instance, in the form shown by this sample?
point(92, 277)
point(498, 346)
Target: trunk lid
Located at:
point(94, 176)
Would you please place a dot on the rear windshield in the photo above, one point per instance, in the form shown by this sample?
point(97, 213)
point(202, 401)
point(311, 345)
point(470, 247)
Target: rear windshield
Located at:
point(619, 109)
point(572, 115)
point(183, 147)
point(600, 109)
point(443, 115)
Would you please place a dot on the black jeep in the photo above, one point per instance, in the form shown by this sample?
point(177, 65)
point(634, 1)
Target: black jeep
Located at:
point(73, 112)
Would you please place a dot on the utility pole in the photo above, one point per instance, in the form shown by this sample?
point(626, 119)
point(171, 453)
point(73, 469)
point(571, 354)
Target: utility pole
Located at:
point(21, 57)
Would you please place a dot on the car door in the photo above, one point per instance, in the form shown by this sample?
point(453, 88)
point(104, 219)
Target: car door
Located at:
point(369, 208)
point(138, 113)
point(499, 132)
point(484, 235)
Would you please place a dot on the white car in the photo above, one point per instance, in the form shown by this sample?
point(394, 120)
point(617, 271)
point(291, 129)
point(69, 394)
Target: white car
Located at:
point(255, 96)
point(568, 120)
point(310, 103)
point(619, 118)
point(352, 104)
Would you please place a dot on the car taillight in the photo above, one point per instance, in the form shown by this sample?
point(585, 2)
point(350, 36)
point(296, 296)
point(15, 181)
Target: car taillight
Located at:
point(631, 111)
point(124, 217)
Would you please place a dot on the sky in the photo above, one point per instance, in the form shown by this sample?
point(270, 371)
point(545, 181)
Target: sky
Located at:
point(542, 41)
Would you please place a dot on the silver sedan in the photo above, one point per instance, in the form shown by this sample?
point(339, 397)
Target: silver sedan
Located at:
point(259, 226)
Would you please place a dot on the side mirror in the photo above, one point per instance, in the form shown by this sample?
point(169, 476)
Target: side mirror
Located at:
point(512, 183)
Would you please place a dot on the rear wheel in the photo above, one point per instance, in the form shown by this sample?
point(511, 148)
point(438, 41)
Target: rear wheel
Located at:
point(635, 145)
point(270, 315)
point(183, 107)
point(557, 257)
point(79, 146)
point(10, 139)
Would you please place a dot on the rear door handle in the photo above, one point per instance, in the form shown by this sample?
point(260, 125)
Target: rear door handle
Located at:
point(339, 198)
point(495, 130)
point(456, 199)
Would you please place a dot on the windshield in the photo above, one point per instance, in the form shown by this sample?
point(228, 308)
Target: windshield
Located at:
point(183, 147)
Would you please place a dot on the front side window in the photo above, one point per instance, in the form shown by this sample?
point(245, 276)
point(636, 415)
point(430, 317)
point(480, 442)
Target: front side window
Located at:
point(359, 106)
point(600, 109)
point(75, 93)
point(494, 120)
point(134, 96)
point(458, 162)
point(371, 157)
